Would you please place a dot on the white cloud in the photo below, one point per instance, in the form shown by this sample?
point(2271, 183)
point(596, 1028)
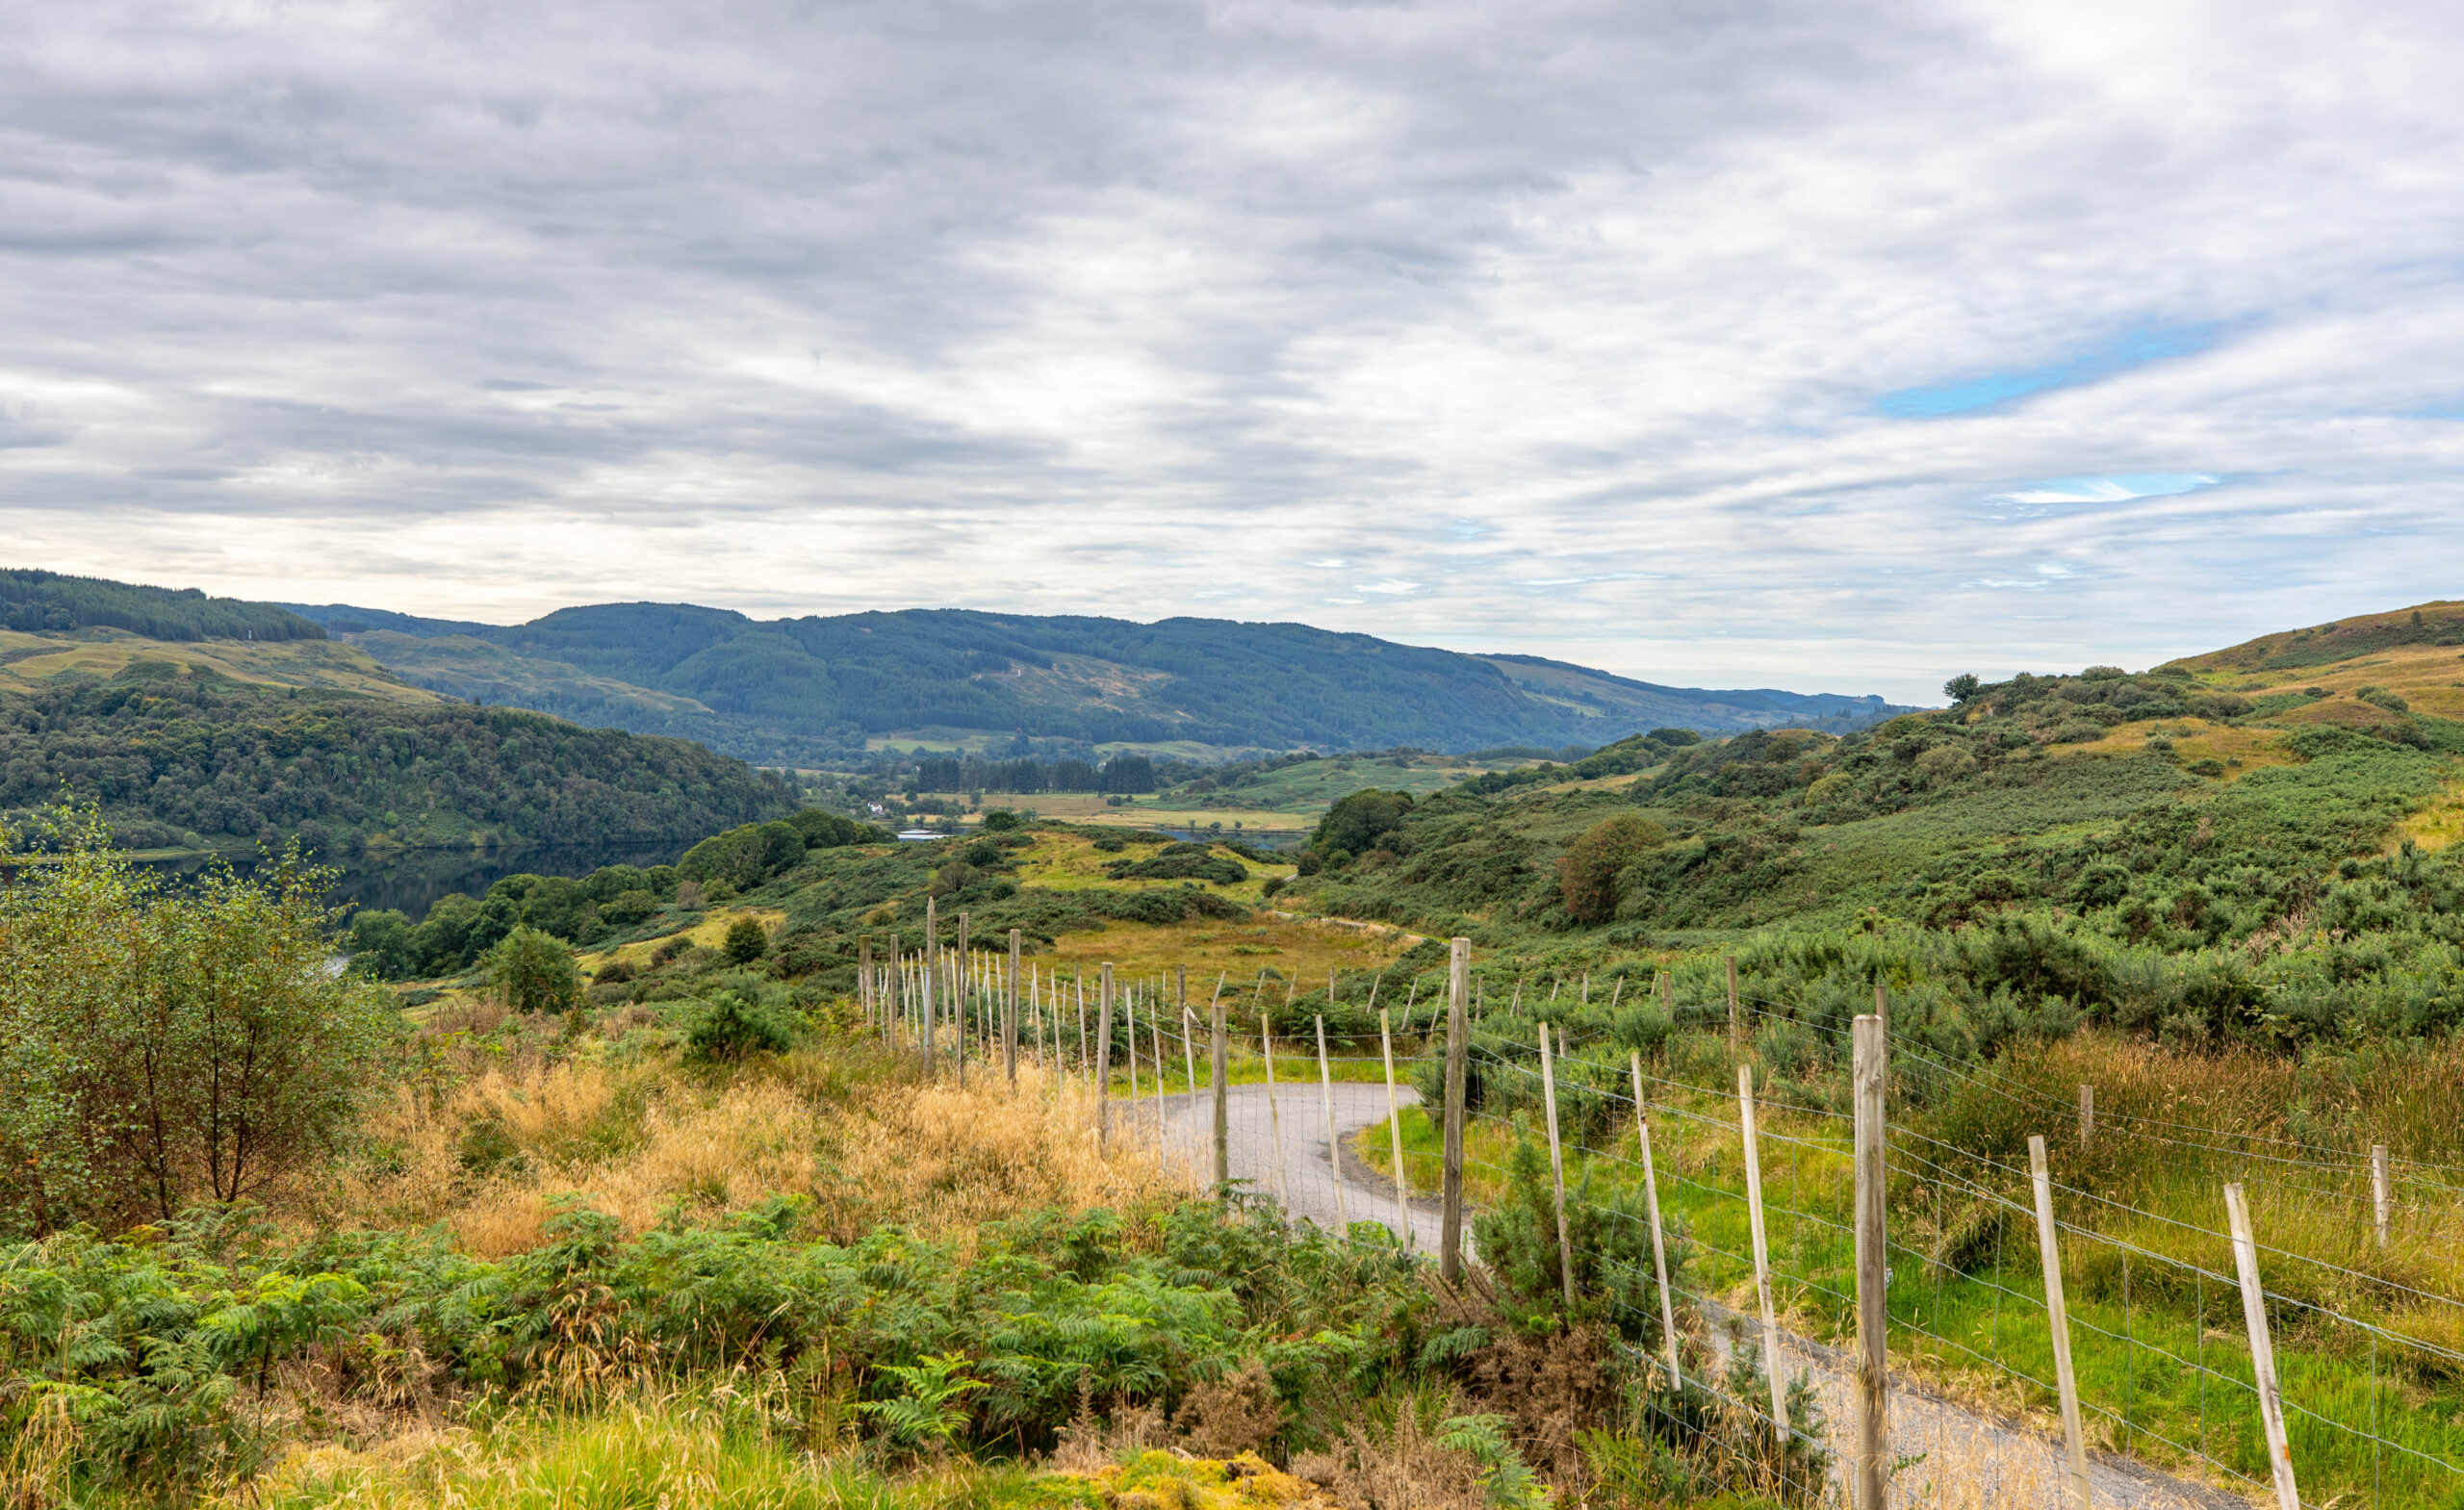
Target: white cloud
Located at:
point(1072, 308)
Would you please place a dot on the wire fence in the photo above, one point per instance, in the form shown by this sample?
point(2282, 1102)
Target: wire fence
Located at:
point(2367, 1353)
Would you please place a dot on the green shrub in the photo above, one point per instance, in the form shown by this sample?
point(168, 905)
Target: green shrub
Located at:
point(746, 940)
point(731, 1025)
point(534, 972)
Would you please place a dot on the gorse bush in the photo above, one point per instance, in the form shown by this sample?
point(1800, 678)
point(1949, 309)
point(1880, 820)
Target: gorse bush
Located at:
point(159, 1048)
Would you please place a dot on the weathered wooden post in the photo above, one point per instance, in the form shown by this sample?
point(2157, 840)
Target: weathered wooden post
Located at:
point(864, 978)
point(2254, 1315)
point(1218, 1051)
point(1274, 1106)
point(2086, 1115)
point(1761, 1248)
point(1334, 1149)
point(1458, 1036)
point(959, 994)
point(1010, 1013)
point(1651, 1211)
point(1104, 1057)
point(1394, 1132)
point(1873, 1270)
point(924, 970)
point(2379, 1201)
point(2058, 1317)
point(1557, 1164)
point(1736, 1044)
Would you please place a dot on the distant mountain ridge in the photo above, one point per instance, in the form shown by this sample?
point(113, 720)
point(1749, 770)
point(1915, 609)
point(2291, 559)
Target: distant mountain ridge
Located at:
point(813, 688)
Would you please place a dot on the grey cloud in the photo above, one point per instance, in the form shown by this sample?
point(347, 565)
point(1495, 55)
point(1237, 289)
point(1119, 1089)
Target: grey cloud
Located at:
point(1089, 308)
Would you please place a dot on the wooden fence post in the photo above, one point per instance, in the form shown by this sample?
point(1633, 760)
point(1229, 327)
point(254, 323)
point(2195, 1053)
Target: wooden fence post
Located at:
point(1084, 1067)
point(2254, 1315)
point(924, 970)
point(1188, 1069)
point(1275, 1104)
point(2378, 1189)
point(2058, 1318)
point(1735, 1043)
point(864, 978)
point(1873, 1271)
point(1334, 1149)
point(1650, 1214)
point(1459, 1034)
point(1761, 1248)
point(1129, 1010)
point(1010, 1013)
point(1104, 1058)
point(959, 994)
point(1219, 1051)
point(1557, 1168)
point(1394, 1130)
point(2086, 1114)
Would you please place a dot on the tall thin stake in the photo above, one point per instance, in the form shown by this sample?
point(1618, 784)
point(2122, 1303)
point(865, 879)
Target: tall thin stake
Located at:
point(2058, 1317)
point(1009, 1013)
point(1735, 1040)
point(1873, 1270)
point(1219, 1050)
point(1651, 1213)
point(1458, 1035)
point(1334, 1148)
point(923, 962)
point(2254, 1315)
point(1275, 1104)
point(1104, 1060)
point(2086, 1114)
point(1394, 1130)
point(1557, 1162)
point(1761, 1247)
point(2378, 1189)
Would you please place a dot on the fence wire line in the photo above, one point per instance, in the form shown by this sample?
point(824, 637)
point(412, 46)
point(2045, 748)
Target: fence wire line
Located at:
point(981, 1019)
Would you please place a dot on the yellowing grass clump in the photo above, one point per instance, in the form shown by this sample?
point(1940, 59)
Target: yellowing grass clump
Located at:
point(493, 1157)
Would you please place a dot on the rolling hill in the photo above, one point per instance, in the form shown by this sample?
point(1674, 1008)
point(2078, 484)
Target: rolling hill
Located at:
point(811, 689)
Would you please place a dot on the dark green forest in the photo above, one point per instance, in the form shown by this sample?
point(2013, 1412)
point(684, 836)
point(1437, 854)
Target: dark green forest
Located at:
point(189, 760)
point(34, 601)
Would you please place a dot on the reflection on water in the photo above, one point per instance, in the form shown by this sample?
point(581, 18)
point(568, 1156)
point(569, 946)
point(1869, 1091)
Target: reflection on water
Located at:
point(411, 880)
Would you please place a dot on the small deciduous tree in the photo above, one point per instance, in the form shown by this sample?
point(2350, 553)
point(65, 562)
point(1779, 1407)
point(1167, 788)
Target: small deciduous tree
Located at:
point(1961, 687)
point(160, 1048)
point(1587, 872)
point(535, 971)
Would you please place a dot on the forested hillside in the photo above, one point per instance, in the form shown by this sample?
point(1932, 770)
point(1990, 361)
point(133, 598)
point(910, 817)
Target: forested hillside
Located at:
point(811, 688)
point(35, 601)
point(187, 758)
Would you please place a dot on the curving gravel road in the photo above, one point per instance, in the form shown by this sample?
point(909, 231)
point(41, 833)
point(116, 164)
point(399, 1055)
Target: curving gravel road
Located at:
point(1963, 1457)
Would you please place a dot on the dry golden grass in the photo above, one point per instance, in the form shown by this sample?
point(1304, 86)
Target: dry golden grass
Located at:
point(495, 1156)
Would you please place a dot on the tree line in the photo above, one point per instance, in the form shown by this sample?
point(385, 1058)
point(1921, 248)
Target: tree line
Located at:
point(182, 758)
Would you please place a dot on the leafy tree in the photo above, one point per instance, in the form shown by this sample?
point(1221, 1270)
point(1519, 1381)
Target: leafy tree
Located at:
point(746, 940)
point(1359, 820)
point(535, 971)
point(1961, 687)
point(159, 1048)
point(1587, 872)
point(1001, 820)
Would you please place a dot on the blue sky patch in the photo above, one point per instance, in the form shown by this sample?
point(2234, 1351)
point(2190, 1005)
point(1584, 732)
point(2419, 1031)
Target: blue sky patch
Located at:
point(2118, 488)
point(1995, 390)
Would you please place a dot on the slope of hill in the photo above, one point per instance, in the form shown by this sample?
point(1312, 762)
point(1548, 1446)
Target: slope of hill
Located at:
point(812, 688)
point(2213, 801)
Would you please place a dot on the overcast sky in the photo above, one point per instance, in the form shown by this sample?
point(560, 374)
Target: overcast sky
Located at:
point(1831, 346)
